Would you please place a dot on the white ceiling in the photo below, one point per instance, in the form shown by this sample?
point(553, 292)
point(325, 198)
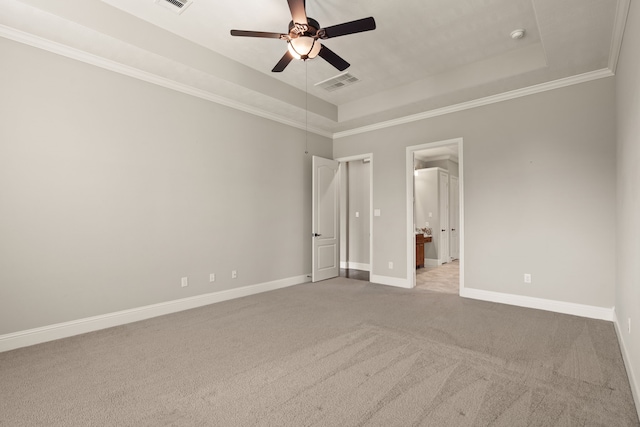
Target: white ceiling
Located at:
point(424, 56)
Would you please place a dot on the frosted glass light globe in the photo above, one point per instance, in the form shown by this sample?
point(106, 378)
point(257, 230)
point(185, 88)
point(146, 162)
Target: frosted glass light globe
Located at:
point(304, 47)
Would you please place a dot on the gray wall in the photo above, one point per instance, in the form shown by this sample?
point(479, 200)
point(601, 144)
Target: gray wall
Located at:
point(355, 197)
point(359, 201)
point(539, 192)
point(112, 189)
point(628, 243)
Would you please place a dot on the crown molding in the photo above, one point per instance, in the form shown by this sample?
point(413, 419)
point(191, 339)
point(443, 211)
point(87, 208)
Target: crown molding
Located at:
point(108, 64)
point(127, 70)
point(622, 11)
point(518, 93)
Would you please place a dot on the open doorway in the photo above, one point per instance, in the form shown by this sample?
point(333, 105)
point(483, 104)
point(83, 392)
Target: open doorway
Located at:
point(435, 216)
point(356, 216)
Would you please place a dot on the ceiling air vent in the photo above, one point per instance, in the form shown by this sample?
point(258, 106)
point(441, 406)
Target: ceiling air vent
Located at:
point(177, 6)
point(338, 82)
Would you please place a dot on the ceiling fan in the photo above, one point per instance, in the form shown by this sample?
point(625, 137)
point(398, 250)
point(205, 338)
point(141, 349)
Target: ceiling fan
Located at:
point(304, 32)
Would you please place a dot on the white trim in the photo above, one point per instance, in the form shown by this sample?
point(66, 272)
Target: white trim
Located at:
point(73, 53)
point(622, 11)
point(354, 158)
point(355, 266)
point(108, 64)
point(411, 244)
point(81, 326)
point(368, 156)
point(518, 93)
point(390, 281)
point(592, 312)
point(626, 357)
point(432, 262)
point(359, 266)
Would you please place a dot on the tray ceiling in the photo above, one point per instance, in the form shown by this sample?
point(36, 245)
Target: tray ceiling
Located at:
point(425, 56)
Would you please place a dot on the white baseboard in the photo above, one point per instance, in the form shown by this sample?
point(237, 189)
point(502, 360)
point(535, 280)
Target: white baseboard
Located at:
point(390, 281)
point(431, 262)
point(355, 265)
point(359, 266)
point(81, 326)
point(633, 379)
point(581, 310)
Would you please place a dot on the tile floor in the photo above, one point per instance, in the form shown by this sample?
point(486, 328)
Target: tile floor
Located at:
point(445, 278)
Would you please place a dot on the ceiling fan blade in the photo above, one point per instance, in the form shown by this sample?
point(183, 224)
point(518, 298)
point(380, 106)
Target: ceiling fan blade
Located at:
point(332, 58)
point(352, 27)
point(242, 33)
point(298, 12)
point(282, 64)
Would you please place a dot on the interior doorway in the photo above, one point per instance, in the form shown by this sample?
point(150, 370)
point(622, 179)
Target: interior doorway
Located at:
point(356, 212)
point(435, 215)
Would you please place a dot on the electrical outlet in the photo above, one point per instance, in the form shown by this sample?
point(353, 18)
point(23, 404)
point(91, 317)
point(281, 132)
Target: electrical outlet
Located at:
point(390, 265)
point(212, 277)
point(184, 282)
point(629, 325)
point(234, 274)
point(527, 278)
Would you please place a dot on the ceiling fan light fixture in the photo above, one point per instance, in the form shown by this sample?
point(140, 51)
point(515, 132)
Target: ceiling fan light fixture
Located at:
point(304, 35)
point(304, 47)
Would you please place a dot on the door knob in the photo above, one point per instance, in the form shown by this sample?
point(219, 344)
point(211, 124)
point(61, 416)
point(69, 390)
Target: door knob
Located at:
point(316, 235)
point(443, 230)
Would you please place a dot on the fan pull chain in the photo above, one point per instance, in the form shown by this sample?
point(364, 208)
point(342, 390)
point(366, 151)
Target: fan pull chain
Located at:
point(306, 107)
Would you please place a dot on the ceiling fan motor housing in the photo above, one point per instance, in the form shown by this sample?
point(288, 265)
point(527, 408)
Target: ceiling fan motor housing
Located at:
point(296, 30)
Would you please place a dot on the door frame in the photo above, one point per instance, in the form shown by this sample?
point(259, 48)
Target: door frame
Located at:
point(453, 216)
point(347, 159)
point(410, 230)
point(444, 242)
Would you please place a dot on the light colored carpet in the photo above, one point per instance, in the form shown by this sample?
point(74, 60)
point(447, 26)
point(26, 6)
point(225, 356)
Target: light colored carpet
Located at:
point(444, 278)
point(337, 353)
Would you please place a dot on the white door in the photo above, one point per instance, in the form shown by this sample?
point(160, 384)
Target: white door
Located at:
point(454, 217)
point(325, 219)
point(443, 194)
